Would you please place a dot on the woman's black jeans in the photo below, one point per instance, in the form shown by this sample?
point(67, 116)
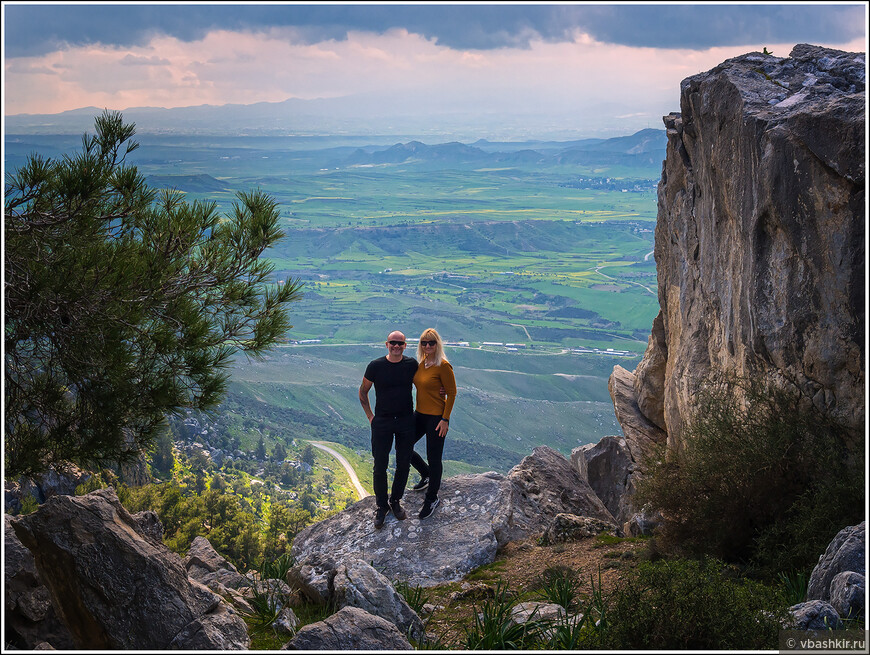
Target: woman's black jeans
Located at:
point(426, 424)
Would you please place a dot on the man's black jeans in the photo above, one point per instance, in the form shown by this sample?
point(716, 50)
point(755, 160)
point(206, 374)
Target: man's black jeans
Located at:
point(384, 429)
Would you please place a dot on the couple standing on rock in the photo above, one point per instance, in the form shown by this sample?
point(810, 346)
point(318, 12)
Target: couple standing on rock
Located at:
point(395, 417)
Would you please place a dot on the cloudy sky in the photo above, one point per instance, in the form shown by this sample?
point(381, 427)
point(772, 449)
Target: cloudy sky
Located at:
point(623, 60)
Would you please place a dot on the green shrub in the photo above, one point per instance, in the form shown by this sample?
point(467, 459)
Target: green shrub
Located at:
point(690, 604)
point(559, 585)
point(493, 628)
point(416, 596)
point(762, 478)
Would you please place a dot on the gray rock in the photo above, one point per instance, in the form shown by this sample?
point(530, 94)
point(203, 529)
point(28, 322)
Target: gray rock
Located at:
point(205, 565)
point(814, 615)
point(357, 584)
point(477, 514)
point(844, 553)
point(115, 587)
point(568, 527)
point(524, 612)
point(641, 523)
point(759, 243)
point(30, 618)
point(286, 623)
point(312, 576)
point(349, 629)
point(150, 523)
point(548, 485)
point(847, 594)
point(608, 467)
point(578, 460)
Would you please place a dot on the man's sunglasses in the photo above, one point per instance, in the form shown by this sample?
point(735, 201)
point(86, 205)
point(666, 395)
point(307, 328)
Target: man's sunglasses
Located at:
point(396, 343)
point(428, 343)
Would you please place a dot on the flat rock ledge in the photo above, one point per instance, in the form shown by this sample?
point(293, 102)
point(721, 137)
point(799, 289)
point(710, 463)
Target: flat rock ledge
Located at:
point(477, 514)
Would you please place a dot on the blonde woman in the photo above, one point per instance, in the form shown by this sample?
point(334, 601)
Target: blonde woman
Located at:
point(433, 379)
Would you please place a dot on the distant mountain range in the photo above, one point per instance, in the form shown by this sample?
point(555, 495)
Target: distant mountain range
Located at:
point(644, 148)
point(364, 114)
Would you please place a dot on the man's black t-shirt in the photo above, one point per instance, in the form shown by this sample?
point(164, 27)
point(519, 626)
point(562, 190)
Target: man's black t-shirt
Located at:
point(393, 382)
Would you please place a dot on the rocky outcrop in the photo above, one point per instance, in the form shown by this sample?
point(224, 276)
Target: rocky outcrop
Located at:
point(115, 586)
point(205, 565)
point(349, 629)
point(477, 514)
point(30, 618)
point(845, 553)
point(759, 241)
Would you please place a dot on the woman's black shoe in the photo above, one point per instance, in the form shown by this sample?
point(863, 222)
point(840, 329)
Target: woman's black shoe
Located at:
point(422, 484)
point(428, 508)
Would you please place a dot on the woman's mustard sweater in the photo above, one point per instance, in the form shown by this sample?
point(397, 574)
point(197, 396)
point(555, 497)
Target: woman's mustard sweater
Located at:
point(429, 382)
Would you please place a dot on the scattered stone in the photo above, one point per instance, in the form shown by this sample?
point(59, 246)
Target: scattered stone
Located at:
point(349, 629)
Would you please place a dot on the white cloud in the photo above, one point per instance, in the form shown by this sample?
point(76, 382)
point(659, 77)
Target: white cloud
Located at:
point(247, 67)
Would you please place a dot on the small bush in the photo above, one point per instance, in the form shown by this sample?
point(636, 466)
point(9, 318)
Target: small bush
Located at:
point(559, 585)
point(762, 478)
point(493, 628)
point(416, 596)
point(690, 604)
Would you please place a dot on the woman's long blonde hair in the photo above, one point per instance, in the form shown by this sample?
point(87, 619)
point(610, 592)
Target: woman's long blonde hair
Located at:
point(438, 356)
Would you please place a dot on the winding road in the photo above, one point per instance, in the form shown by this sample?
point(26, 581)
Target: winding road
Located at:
point(360, 491)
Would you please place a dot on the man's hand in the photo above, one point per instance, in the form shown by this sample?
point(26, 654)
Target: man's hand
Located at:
point(364, 389)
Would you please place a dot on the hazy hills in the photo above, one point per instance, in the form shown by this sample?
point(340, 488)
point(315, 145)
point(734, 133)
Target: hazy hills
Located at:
point(362, 114)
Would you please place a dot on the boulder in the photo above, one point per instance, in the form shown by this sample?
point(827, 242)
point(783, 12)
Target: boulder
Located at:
point(608, 468)
point(357, 584)
point(151, 524)
point(313, 576)
point(205, 565)
point(30, 618)
point(115, 587)
point(286, 622)
point(847, 594)
point(349, 629)
point(760, 241)
point(535, 611)
point(844, 553)
point(477, 514)
point(642, 523)
point(568, 527)
point(814, 615)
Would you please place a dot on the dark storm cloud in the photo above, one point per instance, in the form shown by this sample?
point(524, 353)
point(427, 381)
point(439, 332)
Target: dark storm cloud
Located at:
point(39, 28)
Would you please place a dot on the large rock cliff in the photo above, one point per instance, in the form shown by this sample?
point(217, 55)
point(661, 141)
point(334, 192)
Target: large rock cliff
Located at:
point(759, 241)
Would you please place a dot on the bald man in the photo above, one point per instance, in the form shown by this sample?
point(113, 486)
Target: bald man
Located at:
point(392, 376)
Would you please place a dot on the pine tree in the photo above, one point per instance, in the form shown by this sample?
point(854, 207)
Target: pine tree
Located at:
point(122, 304)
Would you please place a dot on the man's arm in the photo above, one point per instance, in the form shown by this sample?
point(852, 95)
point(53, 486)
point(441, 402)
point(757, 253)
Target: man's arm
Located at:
point(364, 398)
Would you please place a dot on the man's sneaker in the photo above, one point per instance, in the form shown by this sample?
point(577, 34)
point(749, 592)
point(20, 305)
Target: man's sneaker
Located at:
point(428, 508)
point(380, 516)
point(422, 484)
point(398, 512)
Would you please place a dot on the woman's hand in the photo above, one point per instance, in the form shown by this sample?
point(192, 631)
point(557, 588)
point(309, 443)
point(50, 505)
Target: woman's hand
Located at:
point(441, 428)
